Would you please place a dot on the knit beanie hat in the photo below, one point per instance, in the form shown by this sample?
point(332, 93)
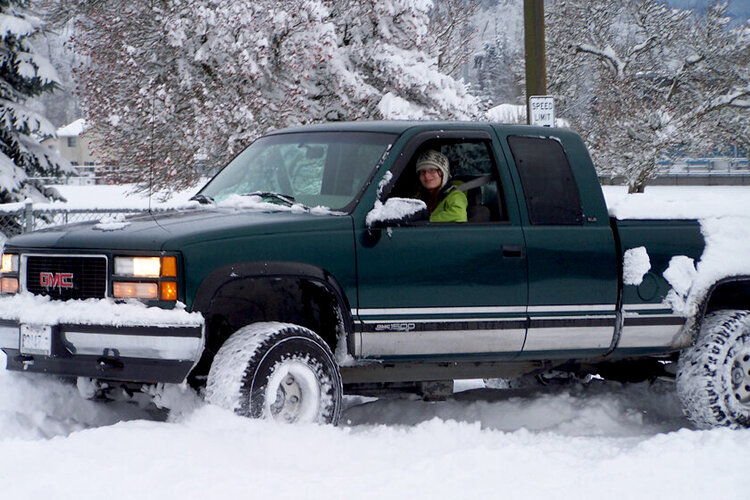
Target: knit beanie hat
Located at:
point(434, 159)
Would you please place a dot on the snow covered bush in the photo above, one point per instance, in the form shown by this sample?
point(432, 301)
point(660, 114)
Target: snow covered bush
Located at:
point(23, 74)
point(640, 79)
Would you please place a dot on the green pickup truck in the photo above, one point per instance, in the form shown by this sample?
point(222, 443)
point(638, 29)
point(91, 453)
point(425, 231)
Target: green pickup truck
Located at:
point(306, 268)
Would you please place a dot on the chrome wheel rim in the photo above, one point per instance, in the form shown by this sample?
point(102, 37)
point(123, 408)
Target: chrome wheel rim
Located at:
point(740, 376)
point(288, 399)
point(293, 393)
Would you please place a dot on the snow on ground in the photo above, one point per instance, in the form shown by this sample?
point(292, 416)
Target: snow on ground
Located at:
point(587, 441)
point(118, 196)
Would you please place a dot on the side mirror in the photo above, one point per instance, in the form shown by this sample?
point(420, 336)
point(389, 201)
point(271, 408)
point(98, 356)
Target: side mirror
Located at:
point(397, 212)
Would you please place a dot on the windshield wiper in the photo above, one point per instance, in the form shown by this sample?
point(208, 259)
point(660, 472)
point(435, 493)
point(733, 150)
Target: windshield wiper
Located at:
point(202, 198)
point(289, 200)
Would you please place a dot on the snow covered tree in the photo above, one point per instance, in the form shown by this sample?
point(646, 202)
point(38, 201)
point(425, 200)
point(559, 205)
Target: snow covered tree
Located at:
point(23, 74)
point(497, 67)
point(496, 79)
point(61, 106)
point(451, 22)
point(639, 79)
point(174, 83)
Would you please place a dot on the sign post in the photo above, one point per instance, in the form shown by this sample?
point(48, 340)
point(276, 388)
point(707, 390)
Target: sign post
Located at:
point(542, 110)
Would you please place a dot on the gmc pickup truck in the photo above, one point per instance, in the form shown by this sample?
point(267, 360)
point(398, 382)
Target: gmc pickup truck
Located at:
point(305, 268)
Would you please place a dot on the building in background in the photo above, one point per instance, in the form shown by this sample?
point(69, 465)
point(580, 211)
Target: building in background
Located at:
point(75, 146)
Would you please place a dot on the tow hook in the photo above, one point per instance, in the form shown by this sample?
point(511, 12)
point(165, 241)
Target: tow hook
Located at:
point(26, 360)
point(109, 361)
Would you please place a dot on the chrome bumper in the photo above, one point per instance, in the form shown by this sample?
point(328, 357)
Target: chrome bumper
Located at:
point(102, 339)
point(104, 342)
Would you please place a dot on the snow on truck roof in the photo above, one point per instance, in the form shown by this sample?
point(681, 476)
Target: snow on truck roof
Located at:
point(401, 126)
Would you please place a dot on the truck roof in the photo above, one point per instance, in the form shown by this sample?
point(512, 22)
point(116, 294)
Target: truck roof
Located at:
point(401, 126)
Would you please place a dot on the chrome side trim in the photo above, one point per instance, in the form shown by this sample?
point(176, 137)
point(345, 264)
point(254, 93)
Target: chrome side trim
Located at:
point(9, 336)
point(645, 307)
point(441, 342)
point(569, 338)
point(651, 331)
point(136, 346)
point(444, 320)
point(411, 311)
point(575, 308)
point(595, 317)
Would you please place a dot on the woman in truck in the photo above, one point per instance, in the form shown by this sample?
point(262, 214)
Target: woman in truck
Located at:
point(445, 202)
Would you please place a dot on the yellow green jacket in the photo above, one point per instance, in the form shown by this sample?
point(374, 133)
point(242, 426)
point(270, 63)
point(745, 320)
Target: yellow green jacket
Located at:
point(449, 205)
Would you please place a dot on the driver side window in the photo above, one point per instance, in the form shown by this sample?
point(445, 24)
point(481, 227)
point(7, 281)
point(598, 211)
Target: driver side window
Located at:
point(471, 170)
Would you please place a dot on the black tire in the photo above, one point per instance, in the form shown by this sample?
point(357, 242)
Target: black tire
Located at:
point(278, 371)
point(713, 376)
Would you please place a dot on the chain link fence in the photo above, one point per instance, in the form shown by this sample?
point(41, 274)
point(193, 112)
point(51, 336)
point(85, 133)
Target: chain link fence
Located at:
point(16, 218)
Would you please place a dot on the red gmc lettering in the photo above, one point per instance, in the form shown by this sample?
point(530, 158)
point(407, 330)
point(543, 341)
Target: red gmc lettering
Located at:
point(56, 280)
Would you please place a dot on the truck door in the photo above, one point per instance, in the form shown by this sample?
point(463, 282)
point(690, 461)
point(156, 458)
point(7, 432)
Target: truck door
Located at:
point(573, 268)
point(432, 289)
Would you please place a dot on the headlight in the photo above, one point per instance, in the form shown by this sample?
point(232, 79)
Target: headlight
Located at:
point(9, 266)
point(9, 263)
point(152, 271)
point(138, 267)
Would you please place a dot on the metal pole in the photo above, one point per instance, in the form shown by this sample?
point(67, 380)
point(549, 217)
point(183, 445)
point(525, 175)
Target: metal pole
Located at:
point(28, 215)
point(536, 66)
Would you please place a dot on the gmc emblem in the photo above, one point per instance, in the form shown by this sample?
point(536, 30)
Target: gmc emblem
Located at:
point(56, 280)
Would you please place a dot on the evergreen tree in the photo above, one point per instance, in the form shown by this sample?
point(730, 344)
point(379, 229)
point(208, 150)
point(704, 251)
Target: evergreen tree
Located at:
point(496, 77)
point(23, 74)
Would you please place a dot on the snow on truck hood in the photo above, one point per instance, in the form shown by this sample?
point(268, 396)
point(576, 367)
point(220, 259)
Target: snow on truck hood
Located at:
point(152, 231)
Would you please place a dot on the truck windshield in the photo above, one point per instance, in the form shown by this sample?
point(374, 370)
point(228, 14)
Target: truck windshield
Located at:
point(315, 169)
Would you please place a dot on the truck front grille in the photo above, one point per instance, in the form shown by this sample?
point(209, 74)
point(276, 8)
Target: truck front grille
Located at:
point(67, 277)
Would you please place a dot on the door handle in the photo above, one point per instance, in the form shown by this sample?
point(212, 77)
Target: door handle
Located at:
point(513, 251)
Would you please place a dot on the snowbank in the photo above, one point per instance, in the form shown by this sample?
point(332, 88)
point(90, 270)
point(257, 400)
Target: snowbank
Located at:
point(586, 441)
point(116, 196)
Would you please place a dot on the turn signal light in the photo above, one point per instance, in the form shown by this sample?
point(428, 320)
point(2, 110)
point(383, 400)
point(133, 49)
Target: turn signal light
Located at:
point(168, 290)
point(169, 266)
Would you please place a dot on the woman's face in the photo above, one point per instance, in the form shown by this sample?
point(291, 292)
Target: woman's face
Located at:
point(431, 178)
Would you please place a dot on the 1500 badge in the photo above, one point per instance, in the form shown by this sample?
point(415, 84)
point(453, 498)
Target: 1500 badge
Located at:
point(395, 327)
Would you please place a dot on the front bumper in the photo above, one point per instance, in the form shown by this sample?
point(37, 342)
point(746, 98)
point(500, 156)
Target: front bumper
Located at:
point(101, 339)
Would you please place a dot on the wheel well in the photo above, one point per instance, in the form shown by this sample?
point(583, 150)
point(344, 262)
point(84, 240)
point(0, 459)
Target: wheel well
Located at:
point(733, 294)
point(303, 301)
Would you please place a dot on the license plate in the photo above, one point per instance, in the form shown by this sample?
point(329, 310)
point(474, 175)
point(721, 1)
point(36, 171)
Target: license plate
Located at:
point(36, 339)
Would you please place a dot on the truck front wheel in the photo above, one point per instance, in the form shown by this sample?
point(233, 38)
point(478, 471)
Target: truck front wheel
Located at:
point(713, 376)
point(278, 371)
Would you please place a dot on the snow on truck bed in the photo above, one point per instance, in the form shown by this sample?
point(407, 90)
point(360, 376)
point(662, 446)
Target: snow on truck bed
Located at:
point(724, 216)
point(678, 202)
point(585, 441)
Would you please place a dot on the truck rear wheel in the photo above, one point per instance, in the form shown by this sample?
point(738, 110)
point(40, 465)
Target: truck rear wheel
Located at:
point(278, 371)
point(713, 376)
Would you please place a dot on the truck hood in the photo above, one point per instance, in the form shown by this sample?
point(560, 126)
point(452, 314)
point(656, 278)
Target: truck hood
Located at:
point(171, 230)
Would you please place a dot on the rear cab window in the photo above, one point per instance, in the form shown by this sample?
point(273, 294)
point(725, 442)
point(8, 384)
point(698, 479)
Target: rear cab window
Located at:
point(550, 191)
